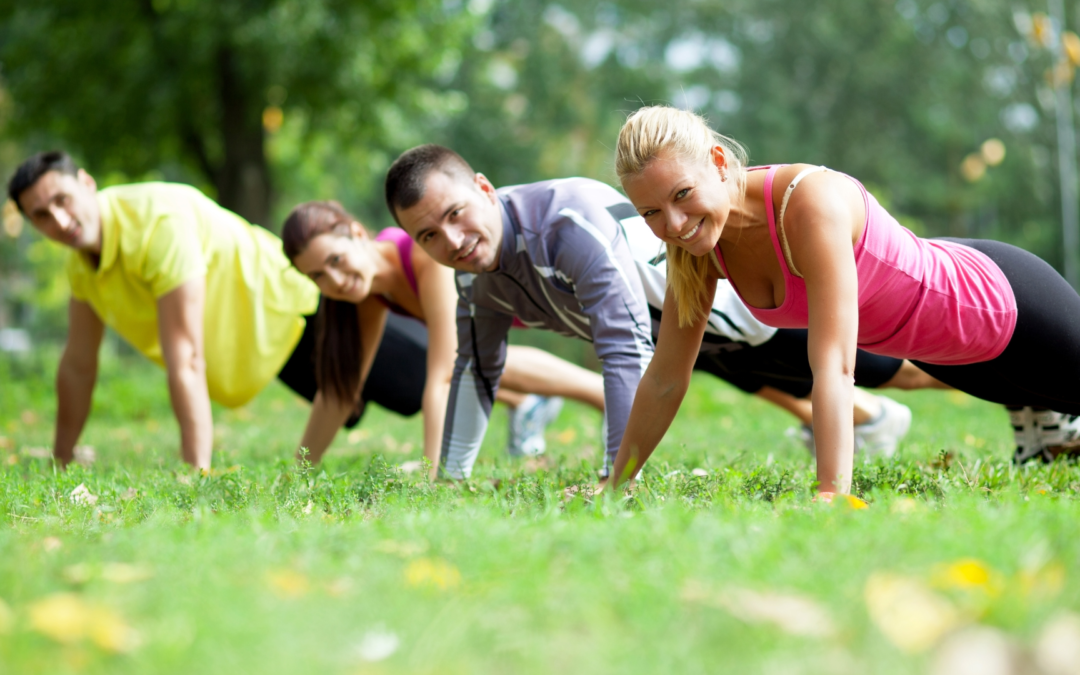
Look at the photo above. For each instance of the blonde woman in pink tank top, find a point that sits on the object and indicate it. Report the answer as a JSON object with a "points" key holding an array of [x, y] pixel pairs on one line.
{"points": [[982, 316]]}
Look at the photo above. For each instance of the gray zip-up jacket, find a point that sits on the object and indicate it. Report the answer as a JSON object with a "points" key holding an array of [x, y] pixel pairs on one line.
{"points": [[564, 265]]}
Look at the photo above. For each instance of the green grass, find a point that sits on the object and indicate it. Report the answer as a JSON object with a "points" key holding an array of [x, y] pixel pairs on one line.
{"points": [[356, 567]]}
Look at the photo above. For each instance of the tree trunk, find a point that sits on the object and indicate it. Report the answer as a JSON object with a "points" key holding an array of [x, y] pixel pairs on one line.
{"points": [[243, 179]]}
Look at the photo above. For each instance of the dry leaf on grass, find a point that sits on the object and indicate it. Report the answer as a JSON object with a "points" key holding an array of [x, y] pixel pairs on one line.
{"points": [[908, 613], [85, 455], [82, 496], [432, 573], [78, 574], [50, 544], [979, 650], [905, 505], [339, 587], [377, 644], [405, 549], [534, 464], [66, 618], [793, 614], [1057, 649], [1042, 582], [567, 436], [288, 583], [588, 492], [125, 573]]}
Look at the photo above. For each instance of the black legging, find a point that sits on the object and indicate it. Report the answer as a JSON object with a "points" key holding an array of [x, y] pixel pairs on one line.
{"points": [[397, 377], [783, 362], [1041, 365]]}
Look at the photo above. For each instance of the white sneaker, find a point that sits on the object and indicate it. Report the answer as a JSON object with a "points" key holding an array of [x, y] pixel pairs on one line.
{"points": [[527, 424], [881, 435], [1056, 428], [804, 433], [1028, 436]]}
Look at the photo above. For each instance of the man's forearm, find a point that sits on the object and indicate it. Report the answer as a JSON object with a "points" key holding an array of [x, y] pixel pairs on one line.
{"points": [[465, 424], [74, 392], [191, 404]]}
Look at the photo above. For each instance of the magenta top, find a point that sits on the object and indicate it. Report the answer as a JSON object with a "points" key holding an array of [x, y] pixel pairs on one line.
{"points": [[404, 242], [923, 299]]}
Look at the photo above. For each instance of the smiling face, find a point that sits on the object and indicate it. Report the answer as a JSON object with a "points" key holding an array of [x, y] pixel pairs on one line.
{"points": [[684, 203], [341, 263], [64, 208], [457, 222]]}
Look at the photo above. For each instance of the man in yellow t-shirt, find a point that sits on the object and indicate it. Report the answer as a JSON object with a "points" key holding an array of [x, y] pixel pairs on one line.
{"points": [[191, 285]]}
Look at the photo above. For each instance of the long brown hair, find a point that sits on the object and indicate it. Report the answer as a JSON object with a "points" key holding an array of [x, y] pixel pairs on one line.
{"points": [[337, 342]]}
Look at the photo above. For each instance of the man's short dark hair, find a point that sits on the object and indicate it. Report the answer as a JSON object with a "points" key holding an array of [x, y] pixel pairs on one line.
{"points": [[30, 171], [407, 175]]}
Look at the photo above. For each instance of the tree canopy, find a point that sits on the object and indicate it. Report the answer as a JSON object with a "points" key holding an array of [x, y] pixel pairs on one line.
{"points": [[941, 107]]}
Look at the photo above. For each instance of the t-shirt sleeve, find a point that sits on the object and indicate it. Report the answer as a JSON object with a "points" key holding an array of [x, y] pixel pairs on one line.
{"points": [[609, 291], [173, 254]]}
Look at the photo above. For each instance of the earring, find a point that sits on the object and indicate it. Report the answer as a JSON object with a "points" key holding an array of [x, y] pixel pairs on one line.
{"points": [[723, 176]]}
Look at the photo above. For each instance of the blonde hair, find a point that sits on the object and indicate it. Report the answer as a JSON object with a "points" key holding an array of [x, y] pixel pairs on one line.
{"points": [[661, 130]]}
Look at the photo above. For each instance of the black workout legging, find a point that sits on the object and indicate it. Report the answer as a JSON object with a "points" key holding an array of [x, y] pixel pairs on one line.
{"points": [[783, 362], [1041, 365], [398, 374]]}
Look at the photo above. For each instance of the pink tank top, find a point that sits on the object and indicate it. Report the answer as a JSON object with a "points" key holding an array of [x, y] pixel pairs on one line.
{"points": [[403, 241], [933, 301]]}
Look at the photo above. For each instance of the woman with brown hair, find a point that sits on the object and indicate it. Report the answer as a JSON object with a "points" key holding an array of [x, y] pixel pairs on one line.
{"points": [[362, 278]]}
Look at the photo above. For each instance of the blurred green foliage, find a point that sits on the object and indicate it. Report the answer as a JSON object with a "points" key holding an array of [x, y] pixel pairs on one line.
{"points": [[899, 93]]}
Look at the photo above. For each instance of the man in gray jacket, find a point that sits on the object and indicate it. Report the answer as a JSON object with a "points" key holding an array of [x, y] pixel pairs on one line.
{"points": [[551, 255], [571, 255]]}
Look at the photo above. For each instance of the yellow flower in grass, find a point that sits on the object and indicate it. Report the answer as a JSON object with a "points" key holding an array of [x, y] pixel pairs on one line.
{"points": [[66, 618], [968, 574], [841, 499], [432, 573]]}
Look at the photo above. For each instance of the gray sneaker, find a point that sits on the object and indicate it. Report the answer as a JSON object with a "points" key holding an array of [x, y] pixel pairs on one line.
{"points": [[881, 435], [527, 424]]}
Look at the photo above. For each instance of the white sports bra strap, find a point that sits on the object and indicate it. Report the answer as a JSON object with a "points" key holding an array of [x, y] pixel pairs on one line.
{"points": [[780, 218]]}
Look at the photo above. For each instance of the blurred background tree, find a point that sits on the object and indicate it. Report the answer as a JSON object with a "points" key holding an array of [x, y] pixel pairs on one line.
{"points": [[941, 107]]}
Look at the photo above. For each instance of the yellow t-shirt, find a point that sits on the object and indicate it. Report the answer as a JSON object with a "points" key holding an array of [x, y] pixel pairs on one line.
{"points": [[155, 237]]}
